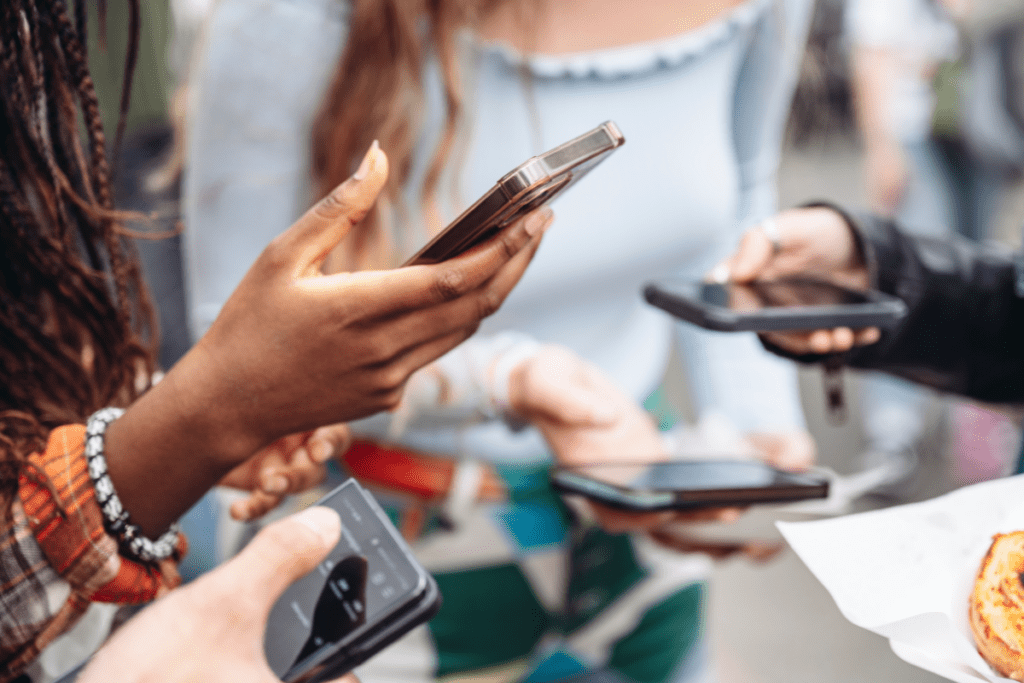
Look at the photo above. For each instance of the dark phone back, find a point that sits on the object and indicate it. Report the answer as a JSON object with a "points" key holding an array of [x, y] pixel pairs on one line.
{"points": [[686, 484], [762, 306], [365, 595], [538, 181]]}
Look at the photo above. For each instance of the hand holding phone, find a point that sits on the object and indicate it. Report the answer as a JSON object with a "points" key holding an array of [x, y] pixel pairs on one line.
{"points": [[814, 243], [212, 629]]}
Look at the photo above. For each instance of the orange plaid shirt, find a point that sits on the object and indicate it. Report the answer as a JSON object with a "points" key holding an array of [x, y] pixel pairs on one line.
{"points": [[56, 558]]}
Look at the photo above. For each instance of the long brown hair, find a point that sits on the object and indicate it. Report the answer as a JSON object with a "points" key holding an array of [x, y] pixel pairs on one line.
{"points": [[76, 325], [377, 93]]}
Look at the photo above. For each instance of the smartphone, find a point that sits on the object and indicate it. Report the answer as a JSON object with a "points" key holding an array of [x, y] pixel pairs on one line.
{"points": [[766, 305], [537, 181], [369, 592], [686, 484]]}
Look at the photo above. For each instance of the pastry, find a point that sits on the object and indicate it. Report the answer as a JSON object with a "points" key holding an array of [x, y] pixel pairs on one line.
{"points": [[997, 606]]}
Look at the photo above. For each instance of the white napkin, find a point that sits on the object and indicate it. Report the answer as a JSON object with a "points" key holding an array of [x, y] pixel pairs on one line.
{"points": [[906, 572]]}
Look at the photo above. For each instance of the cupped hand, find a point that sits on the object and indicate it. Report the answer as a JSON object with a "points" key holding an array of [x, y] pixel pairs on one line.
{"points": [[586, 419], [294, 349], [815, 243], [292, 464], [212, 629]]}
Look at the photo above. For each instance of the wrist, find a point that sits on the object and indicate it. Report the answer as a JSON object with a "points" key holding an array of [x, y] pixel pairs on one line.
{"points": [[174, 444]]}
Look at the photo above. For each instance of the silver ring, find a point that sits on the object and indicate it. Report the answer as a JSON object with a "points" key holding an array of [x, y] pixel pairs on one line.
{"points": [[771, 231]]}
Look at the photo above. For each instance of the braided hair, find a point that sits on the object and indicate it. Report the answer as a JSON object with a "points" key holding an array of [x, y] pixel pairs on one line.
{"points": [[76, 325]]}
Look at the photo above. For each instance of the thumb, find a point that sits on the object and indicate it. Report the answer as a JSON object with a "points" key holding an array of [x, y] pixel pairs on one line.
{"points": [[752, 256], [282, 553], [322, 227]]}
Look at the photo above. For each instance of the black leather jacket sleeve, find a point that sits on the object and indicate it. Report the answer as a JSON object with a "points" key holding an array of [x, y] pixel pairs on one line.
{"points": [[964, 332]]}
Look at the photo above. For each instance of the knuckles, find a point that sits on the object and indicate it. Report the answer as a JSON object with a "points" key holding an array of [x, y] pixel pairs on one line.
{"points": [[488, 304], [450, 284]]}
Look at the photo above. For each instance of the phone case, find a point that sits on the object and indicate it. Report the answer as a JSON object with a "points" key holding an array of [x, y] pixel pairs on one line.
{"points": [[536, 182], [673, 296], [333, 659]]}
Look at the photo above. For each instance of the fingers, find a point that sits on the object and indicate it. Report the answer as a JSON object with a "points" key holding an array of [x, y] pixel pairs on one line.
{"points": [[487, 273], [282, 553], [571, 404], [320, 229], [254, 506], [329, 442], [821, 342], [794, 450], [754, 254]]}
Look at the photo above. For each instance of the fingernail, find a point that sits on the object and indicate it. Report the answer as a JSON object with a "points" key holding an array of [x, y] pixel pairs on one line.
{"points": [[275, 484], [535, 223], [324, 522], [720, 274], [320, 451], [367, 164]]}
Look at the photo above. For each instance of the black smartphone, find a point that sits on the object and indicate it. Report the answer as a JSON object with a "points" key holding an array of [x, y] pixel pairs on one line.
{"points": [[686, 484], [369, 592], [535, 182], [766, 305]]}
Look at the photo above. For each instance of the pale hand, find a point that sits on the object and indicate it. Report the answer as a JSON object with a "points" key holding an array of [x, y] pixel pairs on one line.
{"points": [[212, 629], [585, 418], [814, 243]]}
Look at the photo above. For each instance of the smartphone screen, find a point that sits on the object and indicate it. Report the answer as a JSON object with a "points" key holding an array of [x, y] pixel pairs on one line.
{"points": [[365, 579], [686, 484]]}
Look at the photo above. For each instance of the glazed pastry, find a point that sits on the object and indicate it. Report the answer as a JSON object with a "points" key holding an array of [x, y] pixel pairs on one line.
{"points": [[997, 606]]}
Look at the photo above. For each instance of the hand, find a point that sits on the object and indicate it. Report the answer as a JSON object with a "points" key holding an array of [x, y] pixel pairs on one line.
{"points": [[294, 349], [212, 629], [586, 419], [291, 464], [788, 450], [812, 243]]}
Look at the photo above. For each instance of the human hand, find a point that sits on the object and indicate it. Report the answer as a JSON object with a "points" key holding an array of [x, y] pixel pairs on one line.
{"points": [[812, 242], [294, 349], [586, 419], [292, 464], [793, 450], [212, 629]]}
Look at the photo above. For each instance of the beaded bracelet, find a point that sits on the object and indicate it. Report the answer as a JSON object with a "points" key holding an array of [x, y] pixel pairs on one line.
{"points": [[115, 518]]}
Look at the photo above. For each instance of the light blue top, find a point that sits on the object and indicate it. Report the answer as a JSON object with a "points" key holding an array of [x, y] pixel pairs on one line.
{"points": [[703, 114]]}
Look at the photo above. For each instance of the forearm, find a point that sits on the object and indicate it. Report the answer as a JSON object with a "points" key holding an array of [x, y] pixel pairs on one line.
{"points": [[965, 329]]}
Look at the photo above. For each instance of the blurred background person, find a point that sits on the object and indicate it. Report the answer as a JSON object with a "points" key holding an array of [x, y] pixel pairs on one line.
{"points": [[919, 91], [896, 49]]}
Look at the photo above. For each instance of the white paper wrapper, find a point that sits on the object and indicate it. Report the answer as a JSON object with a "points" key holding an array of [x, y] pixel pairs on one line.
{"points": [[906, 572]]}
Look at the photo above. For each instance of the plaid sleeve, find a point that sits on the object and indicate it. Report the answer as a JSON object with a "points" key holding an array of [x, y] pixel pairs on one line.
{"points": [[56, 557]]}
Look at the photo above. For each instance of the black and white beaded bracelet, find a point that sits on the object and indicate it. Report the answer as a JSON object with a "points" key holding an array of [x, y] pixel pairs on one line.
{"points": [[115, 518]]}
